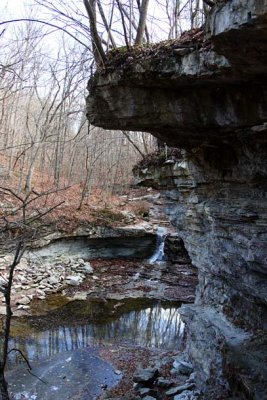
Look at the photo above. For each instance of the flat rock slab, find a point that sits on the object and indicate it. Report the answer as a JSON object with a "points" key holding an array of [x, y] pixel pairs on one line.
{"points": [[180, 389], [79, 375]]}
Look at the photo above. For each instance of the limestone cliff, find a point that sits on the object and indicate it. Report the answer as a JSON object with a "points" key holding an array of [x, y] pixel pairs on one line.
{"points": [[209, 97]]}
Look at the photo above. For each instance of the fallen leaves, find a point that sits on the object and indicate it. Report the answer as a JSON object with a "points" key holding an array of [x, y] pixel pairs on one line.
{"points": [[123, 57]]}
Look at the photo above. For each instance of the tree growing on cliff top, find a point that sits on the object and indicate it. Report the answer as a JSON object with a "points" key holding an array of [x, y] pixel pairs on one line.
{"points": [[132, 23], [107, 24], [132, 29]]}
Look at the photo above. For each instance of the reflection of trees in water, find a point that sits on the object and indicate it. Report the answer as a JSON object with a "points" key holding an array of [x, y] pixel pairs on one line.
{"points": [[152, 327]]}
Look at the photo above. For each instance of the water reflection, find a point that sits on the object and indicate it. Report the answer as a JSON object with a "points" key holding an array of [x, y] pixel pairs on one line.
{"points": [[155, 326]]}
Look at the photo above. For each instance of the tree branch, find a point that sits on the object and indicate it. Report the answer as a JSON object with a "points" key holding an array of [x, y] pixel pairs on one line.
{"points": [[45, 23]]}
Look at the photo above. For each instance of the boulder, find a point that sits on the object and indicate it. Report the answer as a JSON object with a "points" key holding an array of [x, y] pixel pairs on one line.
{"points": [[87, 268], [3, 282], [164, 383], [24, 300], [2, 310], [79, 296], [146, 376], [73, 280], [149, 398], [183, 367], [53, 280], [145, 392], [186, 395]]}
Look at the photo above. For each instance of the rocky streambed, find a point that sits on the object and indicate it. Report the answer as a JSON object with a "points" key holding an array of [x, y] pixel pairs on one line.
{"points": [[112, 268], [76, 315], [55, 262]]}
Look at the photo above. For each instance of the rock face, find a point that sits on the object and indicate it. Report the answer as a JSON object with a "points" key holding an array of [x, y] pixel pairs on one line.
{"points": [[212, 102], [209, 95], [85, 247], [175, 251]]}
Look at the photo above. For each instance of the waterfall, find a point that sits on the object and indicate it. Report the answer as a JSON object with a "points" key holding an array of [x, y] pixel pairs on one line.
{"points": [[159, 252]]}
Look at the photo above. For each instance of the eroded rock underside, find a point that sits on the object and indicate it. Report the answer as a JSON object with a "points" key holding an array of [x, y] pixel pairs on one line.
{"points": [[210, 99]]}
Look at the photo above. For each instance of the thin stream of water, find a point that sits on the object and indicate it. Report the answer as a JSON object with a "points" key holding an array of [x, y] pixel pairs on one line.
{"points": [[159, 252]]}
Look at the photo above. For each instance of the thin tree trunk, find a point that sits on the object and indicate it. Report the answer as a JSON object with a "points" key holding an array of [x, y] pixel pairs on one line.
{"points": [[4, 345], [123, 24], [132, 143], [176, 13], [106, 23], [142, 22], [98, 50], [3, 385], [146, 30]]}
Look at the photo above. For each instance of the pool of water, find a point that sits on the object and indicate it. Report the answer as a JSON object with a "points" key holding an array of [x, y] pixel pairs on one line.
{"points": [[79, 324]]}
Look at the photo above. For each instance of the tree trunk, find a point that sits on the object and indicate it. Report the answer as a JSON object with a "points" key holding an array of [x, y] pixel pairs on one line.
{"points": [[142, 22], [3, 387], [98, 50]]}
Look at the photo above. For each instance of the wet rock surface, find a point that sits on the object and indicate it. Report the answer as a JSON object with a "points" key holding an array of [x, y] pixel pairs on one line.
{"points": [[79, 375], [119, 280], [58, 265], [111, 279]]}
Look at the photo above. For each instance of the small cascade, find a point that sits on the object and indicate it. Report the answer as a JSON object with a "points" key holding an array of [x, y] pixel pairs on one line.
{"points": [[159, 252]]}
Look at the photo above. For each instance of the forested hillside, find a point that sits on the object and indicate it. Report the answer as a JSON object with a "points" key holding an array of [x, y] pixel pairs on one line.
{"points": [[48, 50]]}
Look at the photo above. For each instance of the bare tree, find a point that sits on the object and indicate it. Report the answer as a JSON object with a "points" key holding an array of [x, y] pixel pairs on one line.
{"points": [[6, 290], [17, 226]]}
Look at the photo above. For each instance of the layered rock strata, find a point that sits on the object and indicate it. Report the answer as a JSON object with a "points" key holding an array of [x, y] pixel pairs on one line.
{"points": [[223, 224], [211, 101]]}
